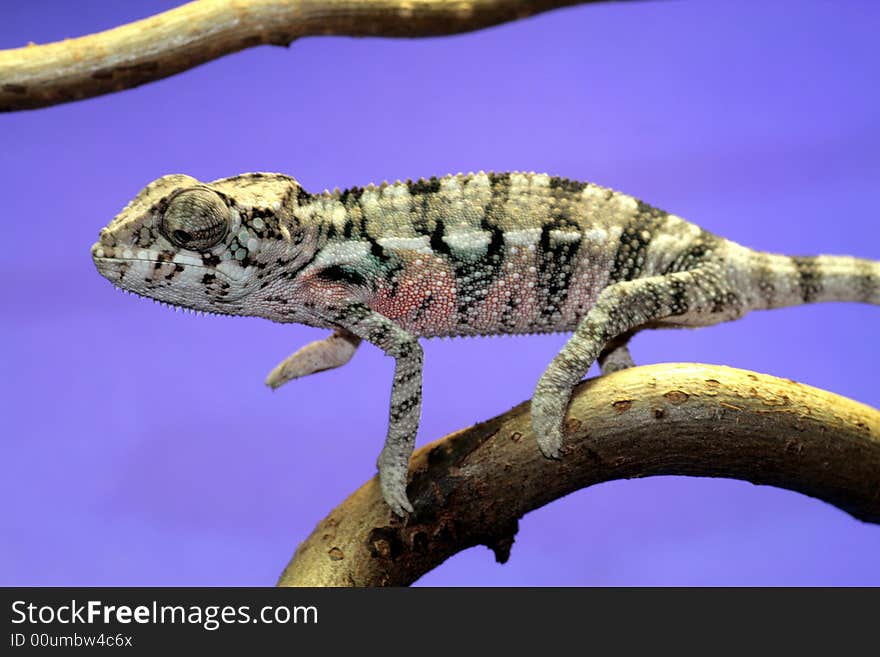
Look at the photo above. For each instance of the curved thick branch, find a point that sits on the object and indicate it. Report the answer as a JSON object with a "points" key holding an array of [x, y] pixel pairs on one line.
{"points": [[197, 32], [471, 487]]}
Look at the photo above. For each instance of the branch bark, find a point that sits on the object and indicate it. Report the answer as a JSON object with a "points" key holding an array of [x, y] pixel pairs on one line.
{"points": [[162, 45], [471, 487]]}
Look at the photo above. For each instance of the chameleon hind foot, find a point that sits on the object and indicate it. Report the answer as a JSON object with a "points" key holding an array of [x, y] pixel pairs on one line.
{"points": [[615, 358]]}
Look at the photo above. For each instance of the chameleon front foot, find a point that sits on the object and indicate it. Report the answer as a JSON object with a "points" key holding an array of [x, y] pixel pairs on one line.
{"points": [[392, 480]]}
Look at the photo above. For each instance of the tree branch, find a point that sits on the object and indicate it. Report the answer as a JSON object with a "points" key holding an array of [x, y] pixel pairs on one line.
{"points": [[197, 32], [472, 487]]}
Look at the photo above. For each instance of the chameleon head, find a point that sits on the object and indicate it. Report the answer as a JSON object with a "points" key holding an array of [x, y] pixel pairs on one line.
{"points": [[181, 242]]}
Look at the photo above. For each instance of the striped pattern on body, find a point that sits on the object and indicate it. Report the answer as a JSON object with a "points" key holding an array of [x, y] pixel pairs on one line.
{"points": [[475, 254]]}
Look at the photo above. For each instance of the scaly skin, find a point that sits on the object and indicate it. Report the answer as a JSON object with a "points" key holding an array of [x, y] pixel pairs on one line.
{"points": [[474, 254]]}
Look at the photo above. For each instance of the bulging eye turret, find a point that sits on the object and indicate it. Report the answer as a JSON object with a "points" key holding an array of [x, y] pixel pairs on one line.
{"points": [[196, 219]]}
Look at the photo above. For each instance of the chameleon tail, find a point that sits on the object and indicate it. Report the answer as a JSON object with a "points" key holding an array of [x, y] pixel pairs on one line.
{"points": [[781, 281]]}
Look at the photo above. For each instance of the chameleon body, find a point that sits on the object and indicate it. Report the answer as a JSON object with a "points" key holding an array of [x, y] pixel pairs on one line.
{"points": [[475, 254]]}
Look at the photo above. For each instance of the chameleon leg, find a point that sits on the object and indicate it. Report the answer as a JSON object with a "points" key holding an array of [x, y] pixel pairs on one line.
{"points": [[615, 355], [406, 395], [689, 296], [333, 351]]}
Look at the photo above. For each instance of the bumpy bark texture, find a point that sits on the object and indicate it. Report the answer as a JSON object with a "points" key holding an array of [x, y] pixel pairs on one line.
{"points": [[471, 487]]}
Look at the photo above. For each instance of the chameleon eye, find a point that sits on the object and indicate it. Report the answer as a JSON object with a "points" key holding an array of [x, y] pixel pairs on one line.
{"points": [[195, 219]]}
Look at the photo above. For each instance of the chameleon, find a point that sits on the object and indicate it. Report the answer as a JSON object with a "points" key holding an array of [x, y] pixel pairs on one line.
{"points": [[460, 255]]}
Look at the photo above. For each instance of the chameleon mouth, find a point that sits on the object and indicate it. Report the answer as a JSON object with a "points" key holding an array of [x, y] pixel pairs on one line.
{"points": [[104, 256], [115, 268], [98, 250]]}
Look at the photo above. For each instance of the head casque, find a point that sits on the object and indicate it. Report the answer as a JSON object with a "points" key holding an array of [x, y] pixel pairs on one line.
{"points": [[202, 246]]}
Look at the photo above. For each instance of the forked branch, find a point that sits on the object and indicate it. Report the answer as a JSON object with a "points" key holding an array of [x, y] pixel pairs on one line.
{"points": [[472, 487]]}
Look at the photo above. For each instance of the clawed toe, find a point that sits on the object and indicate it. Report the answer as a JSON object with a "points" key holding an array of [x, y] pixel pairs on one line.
{"points": [[397, 500], [401, 506], [392, 481], [550, 444]]}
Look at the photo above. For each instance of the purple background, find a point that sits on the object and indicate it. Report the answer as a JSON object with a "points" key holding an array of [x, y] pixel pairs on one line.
{"points": [[140, 446]]}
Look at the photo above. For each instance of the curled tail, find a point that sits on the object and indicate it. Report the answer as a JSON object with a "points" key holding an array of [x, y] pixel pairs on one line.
{"points": [[779, 281]]}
